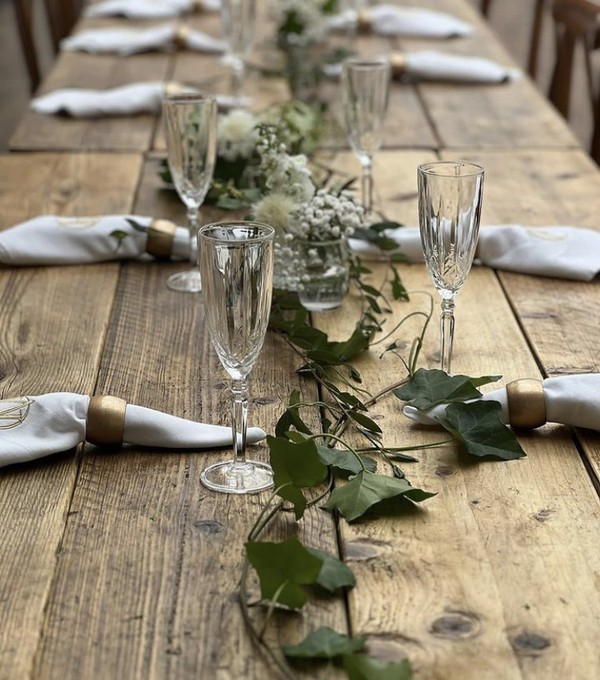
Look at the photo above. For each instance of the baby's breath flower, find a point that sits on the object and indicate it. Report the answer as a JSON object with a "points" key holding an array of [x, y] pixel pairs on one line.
{"points": [[237, 135], [275, 209]]}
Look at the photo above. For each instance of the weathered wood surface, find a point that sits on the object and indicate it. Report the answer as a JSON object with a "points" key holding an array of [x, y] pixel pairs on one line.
{"points": [[121, 565], [478, 582], [54, 322]]}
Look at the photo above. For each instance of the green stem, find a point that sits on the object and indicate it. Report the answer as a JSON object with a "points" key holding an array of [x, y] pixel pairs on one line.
{"points": [[272, 603]]}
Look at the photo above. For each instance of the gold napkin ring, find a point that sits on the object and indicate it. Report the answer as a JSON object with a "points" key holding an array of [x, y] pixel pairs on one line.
{"points": [[172, 89], [397, 63], [105, 421], [180, 39], [526, 405], [363, 20], [197, 6], [161, 235]]}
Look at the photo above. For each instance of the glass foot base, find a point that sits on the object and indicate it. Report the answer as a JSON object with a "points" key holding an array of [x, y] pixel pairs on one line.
{"points": [[186, 282], [229, 477]]}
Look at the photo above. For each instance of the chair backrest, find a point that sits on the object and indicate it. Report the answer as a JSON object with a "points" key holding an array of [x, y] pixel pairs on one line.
{"points": [[61, 17]]}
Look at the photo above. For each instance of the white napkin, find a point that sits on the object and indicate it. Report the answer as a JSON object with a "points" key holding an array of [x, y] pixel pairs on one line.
{"points": [[570, 400], [48, 240], [126, 41], [434, 66], [119, 101], [389, 20], [441, 66], [149, 9], [559, 252], [34, 427]]}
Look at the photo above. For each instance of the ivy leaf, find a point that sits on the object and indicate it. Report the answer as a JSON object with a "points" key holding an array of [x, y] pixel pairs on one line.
{"points": [[478, 426], [363, 667], [367, 489], [283, 569], [364, 421], [345, 460], [398, 290], [324, 643], [427, 388], [136, 225], [334, 573], [295, 465], [119, 235]]}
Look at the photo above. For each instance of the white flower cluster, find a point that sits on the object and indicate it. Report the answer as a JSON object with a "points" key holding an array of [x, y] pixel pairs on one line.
{"points": [[283, 173], [306, 15], [327, 216], [237, 135]]}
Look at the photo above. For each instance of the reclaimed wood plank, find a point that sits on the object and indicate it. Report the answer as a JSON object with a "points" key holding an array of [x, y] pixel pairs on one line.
{"points": [[479, 581], [146, 578], [53, 322], [511, 115], [40, 132]]}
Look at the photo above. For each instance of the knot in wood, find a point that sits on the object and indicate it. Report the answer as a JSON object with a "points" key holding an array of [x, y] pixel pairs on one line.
{"points": [[456, 626]]}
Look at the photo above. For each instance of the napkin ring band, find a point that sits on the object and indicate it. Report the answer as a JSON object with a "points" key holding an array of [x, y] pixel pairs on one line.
{"points": [[198, 6], [526, 405], [180, 39], [105, 424], [397, 63], [161, 235], [363, 20]]}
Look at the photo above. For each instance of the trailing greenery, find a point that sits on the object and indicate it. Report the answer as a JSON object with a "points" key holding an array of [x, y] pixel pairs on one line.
{"points": [[305, 463]]}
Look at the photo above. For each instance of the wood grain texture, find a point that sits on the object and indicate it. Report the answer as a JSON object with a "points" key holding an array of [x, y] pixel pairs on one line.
{"points": [[53, 323], [156, 594], [40, 132]]}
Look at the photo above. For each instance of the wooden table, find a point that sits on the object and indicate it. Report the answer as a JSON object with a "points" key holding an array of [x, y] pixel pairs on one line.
{"points": [[121, 565]]}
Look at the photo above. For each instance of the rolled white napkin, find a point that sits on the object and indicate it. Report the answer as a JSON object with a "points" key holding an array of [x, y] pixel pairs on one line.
{"points": [[441, 66], [50, 240], [435, 66], [389, 20], [559, 252], [150, 9], [38, 426], [569, 399], [126, 41], [119, 101]]}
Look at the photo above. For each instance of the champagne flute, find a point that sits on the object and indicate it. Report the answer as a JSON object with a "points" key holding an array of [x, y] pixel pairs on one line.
{"points": [[450, 197], [236, 264], [191, 129], [365, 94], [238, 20]]}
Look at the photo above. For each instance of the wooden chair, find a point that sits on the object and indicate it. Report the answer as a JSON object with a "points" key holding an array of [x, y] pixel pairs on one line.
{"points": [[61, 16], [536, 31], [577, 22]]}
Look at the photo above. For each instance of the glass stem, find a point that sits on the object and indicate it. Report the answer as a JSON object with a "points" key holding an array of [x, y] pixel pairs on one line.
{"points": [[193, 216], [367, 185], [239, 420], [237, 78], [447, 332]]}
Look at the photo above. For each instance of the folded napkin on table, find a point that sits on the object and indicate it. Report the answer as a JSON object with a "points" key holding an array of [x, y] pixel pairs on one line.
{"points": [[526, 404], [432, 65], [34, 427], [49, 239], [559, 252], [440, 66], [126, 41], [389, 20], [119, 101], [150, 9]]}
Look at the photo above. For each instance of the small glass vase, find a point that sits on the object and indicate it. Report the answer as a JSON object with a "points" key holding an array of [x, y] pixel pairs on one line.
{"points": [[323, 273], [303, 68]]}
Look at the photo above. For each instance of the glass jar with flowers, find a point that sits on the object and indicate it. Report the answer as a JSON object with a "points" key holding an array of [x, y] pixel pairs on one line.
{"points": [[312, 224]]}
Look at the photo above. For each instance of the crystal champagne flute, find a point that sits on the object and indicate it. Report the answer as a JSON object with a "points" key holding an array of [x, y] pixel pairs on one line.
{"points": [[236, 264], [450, 197], [191, 130], [238, 20], [365, 92]]}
